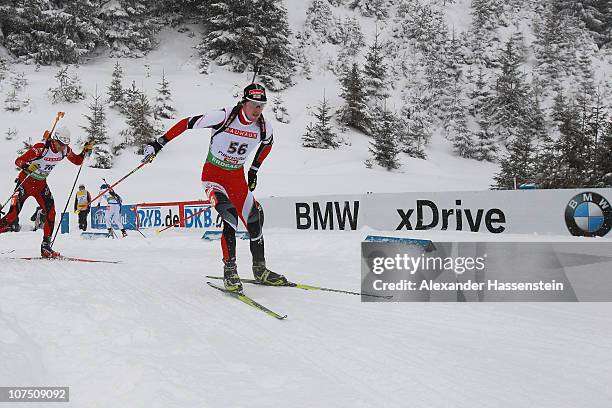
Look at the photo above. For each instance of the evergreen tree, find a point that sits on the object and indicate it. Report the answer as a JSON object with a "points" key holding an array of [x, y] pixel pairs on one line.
{"points": [[115, 89], [96, 133], [11, 133], [239, 35], [480, 95], [129, 28], [384, 147], [12, 102], [280, 111], [140, 121], [355, 111], [372, 8], [45, 32], [557, 35], [375, 71], [484, 148], [163, 101], [572, 147], [68, 89], [320, 134], [414, 132], [518, 163], [510, 105], [319, 20], [349, 35]]}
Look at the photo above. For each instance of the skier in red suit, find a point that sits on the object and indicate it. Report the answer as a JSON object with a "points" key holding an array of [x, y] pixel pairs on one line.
{"points": [[36, 164]]}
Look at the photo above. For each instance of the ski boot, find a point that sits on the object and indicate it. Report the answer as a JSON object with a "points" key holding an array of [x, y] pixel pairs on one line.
{"points": [[111, 233], [231, 280], [266, 276], [46, 251], [124, 233]]}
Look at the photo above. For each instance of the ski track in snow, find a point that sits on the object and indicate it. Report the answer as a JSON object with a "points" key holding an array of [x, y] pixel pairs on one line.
{"points": [[149, 332]]}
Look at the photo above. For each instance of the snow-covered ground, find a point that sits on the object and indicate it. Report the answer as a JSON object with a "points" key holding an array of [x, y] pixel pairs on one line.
{"points": [[149, 333]]}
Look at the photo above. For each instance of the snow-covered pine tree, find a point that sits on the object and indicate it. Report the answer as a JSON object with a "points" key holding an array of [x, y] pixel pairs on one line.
{"points": [[278, 60], [12, 102], [414, 132], [375, 71], [115, 89], [140, 121], [384, 147], [11, 133], [45, 32], [480, 95], [518, 163], [68, 89], [355, 112], [129, 28], [372, 8], [592, 13], [573, 148], [280, 111], [484, 148], [320, 134], [319, 21], [349, 35], [557, 36], [96, 133], [604, 168], [164, 108], [510, 105], [238, 35]]}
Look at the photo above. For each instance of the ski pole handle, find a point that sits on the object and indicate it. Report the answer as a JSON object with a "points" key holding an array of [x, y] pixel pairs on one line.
{"points": [[49, 133], [159, 231]]}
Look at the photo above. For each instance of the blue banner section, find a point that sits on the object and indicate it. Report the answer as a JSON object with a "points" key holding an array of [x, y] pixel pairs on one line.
{"points": [[65, 223], [159, 217], [128, 217]]}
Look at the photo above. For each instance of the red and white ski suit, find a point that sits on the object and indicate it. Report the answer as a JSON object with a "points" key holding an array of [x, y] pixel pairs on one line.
{"points": [[35, 185], [223, 172]]}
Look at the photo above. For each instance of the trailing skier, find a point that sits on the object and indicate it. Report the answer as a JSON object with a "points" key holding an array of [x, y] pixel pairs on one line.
{"points": [[36, 164]]}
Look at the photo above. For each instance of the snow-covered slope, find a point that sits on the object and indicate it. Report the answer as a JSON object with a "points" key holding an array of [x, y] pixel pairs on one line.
{"points": [[150, 333]]}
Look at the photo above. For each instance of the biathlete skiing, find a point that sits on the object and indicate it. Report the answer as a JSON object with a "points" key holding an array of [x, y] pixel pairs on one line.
{"points": [[36, 164], [236, 132]]}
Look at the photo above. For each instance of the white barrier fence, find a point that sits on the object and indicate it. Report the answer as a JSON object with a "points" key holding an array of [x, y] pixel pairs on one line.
{"points": [[581, 212]]}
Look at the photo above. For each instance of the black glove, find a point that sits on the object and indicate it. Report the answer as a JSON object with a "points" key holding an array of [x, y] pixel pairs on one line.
{"points": [[151, 150], [252, 177]]}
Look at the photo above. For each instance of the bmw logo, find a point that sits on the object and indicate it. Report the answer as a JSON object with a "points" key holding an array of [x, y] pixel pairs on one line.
{"points": [[588, 215]]}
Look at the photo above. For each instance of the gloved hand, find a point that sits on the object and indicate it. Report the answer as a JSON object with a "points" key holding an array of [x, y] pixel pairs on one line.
{"points": [[151, 150], [31, 168], [252, 180], [76, 212], [88, 147]]}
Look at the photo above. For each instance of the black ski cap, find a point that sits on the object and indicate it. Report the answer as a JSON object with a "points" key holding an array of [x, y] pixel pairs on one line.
{"points": [[255, 93]]}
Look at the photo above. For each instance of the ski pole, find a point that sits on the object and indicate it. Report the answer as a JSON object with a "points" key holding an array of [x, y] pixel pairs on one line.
{"points": [[16, 188], [117, 182], [67, 201], [159, 231]]}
